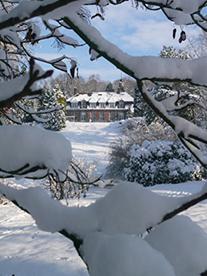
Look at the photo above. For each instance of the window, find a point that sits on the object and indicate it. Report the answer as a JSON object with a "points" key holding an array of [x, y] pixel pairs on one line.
{"points": [[112, 105], [74, 105], [112, 116], [121, 115], [83, 116], [102, 105], [101, 116], [121, 104], [93, 116], [93, 105], [83, 104]]}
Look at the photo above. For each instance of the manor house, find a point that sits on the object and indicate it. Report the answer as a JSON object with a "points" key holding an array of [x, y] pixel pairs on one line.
{"points": [[99, 107]]}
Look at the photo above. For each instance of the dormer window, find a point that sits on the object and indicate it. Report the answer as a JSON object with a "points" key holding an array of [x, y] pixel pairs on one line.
{"points": [[121, 104], [83, 104], [112, 105], [74, 105], [93, 105], [102, 105]]}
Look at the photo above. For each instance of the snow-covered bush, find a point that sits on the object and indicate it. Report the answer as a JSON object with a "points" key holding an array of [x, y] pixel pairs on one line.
{"points": [[135, 131], [156, 162]]}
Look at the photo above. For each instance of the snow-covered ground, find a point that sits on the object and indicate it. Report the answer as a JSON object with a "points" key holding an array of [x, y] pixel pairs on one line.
{"points": [[25, 250], [91, 141]]}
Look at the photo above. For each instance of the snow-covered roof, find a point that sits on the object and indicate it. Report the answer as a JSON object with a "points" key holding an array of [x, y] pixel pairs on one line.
{"points": [[78, 98], [102, 97]]}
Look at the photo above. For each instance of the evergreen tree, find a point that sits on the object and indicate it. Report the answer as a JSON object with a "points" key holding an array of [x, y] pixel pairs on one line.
{"points": [[142, 109], [188, 91], [109, 87], [54, 100], [192, 112]]}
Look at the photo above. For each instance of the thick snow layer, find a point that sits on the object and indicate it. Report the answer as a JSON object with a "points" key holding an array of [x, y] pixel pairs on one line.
{"points": [[123, 255], [18, 242], [127, 208], [26, 250], [33, 146], [183, 243], [50, 215], [130, 208], [102, 97]]}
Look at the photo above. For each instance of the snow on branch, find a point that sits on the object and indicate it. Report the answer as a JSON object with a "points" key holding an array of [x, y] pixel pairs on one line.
{"points": [[48, 213], [33, 152], [95, 233], [127, 202], [148, 67], [192, 136], [28, 9], [14, 89]]}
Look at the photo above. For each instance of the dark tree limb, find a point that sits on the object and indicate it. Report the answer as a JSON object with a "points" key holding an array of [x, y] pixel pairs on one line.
{"points": [[34, 76]]}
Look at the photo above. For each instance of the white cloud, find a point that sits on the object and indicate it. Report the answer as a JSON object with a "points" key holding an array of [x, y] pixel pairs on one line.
{"points": [[140, 31], [151, 35]]}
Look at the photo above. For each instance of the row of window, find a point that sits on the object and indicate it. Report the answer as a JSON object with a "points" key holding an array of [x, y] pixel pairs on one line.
{"points": [[94, 105], [100, 116]]}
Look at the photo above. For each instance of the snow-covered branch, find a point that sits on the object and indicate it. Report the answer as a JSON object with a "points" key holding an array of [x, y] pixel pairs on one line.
{"points": [[155, 68], [88, 226], [127, 202], [190, 135], [28, 9], [14, 89], [33, 152], [41, 208]]}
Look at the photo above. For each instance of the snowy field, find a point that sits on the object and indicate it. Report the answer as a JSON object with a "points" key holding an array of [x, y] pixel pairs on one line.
{"points": [[25, 250], [91, 141]]}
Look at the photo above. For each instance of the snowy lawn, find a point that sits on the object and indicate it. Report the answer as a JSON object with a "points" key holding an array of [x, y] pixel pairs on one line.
{"points": [[91, 141], [25, 250]]}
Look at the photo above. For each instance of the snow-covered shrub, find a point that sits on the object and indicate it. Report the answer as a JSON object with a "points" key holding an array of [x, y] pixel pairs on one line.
{"points": [[135, 131], [156, 162]]}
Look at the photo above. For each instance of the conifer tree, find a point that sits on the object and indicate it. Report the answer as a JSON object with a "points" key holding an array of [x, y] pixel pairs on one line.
{"points": [[56, 102]]}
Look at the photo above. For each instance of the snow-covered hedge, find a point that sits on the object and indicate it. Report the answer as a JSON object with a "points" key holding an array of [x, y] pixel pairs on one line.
{"points": [[156, 162]]}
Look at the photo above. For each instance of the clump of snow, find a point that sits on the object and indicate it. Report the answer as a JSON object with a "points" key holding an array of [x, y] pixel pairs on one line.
{"points": [[50, 215], [123, 255], [183, 243], [109, 229], [33, 146], [130, 208]]}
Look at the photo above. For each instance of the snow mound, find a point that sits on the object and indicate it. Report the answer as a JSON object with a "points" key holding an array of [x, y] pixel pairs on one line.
{"points": [[183, 243], [49, 214], [130, 208], [123, 255], [25, 148]]}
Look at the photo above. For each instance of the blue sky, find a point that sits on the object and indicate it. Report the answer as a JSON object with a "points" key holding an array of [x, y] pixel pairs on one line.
{"points": [[136, 31]]}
